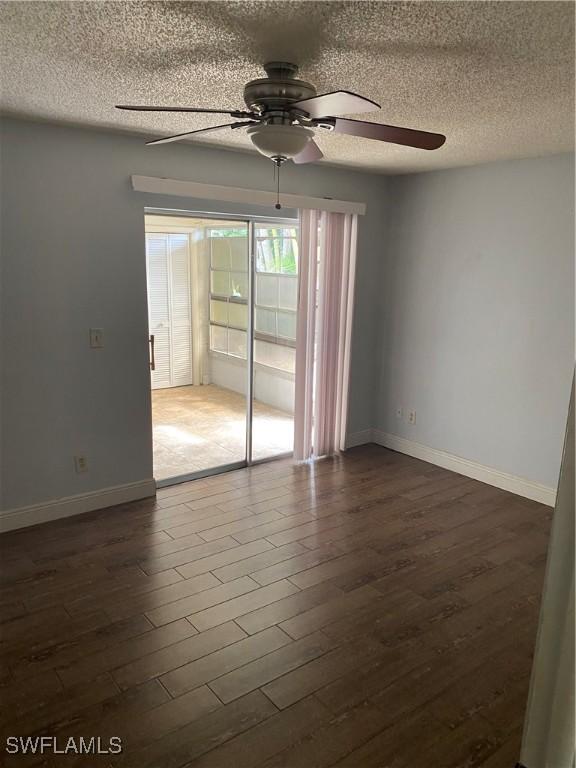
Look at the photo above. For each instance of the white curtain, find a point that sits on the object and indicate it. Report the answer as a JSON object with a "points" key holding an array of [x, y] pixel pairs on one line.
{"points": [[327, 262]]}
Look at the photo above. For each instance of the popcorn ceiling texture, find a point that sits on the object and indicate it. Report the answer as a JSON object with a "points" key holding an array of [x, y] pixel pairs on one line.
{"points": [[496, 77]]}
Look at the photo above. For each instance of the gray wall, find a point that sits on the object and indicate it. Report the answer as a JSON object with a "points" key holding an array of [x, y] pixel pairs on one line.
{"points": [[477, 313], [73, 258], [464, 307]]}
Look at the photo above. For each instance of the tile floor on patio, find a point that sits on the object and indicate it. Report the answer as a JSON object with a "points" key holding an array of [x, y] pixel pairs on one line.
{"points": [[197, 428]]}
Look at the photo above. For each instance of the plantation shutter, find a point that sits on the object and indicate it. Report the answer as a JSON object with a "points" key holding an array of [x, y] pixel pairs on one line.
{"points": [[180, 310], [168, 268], [159, 307]]}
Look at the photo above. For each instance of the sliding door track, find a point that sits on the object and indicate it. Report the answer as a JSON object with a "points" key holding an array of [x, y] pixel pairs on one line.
{"points": [[199, 474]]}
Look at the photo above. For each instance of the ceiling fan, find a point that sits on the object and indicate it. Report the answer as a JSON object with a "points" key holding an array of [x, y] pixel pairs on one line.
{"points": [[283, 113]]}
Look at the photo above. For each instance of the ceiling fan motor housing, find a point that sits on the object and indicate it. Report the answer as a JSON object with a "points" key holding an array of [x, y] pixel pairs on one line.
{"points": [[275, 93]]}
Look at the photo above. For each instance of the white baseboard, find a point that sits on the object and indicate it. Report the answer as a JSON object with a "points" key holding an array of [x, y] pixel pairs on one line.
{"points": [[519, 485], [22, 517], [359, 438]]}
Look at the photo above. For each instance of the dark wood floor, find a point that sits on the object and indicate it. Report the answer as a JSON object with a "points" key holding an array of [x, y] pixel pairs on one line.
{"points": [[372, 610]]}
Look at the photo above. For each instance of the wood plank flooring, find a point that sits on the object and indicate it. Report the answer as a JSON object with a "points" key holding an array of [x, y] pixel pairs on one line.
{"points": [[371, 610]]}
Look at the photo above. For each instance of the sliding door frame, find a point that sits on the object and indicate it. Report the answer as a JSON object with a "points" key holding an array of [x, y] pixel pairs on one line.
{"points": [[250, 222]]}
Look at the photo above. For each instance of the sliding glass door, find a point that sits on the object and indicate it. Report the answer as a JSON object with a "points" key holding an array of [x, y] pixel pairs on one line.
{"points": [[275, 280], [227, 363], [222, 323]]}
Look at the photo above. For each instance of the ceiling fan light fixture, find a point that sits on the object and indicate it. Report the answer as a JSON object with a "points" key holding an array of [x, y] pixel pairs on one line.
{"points": [[280, 141]]}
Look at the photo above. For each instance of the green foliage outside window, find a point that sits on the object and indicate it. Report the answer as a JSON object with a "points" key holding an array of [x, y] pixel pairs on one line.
{"points": [[277, 250], [276, 247], [242, 232]]}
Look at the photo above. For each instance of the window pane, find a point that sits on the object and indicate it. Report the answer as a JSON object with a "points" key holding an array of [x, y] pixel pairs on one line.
{"points": [[220, 283], [239, 282], [267, 290], [236, 343], [275, 356], [218, 339], [239, 254], [288, 292], [219, 312], [266, 231], [238, 315], [265, 321], [277, 250], [260, 265], [220, 253], [266, 257], [289, 260], [239, 231], [287, 325]]}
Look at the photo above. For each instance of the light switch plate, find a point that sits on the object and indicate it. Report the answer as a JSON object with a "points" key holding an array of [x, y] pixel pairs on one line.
{"points": [[96, 338]]}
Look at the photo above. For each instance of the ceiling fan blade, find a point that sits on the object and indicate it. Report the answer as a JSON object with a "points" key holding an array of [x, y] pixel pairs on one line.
{"points": [[336, 103], [179, 136], [309, 154], [391, 133], [231, 112]]}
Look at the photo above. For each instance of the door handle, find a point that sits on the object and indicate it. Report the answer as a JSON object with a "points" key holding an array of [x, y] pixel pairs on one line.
{"points": [[152, 357]]}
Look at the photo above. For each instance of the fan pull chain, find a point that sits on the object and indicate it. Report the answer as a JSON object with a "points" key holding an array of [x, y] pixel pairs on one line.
{"points": [[277, 164]]}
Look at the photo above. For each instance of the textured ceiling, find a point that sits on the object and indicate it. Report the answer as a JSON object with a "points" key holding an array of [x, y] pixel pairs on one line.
{"points": [[496, 77]]}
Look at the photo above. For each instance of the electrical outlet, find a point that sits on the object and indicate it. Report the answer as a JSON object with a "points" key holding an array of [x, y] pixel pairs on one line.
{"points": [[412, 417], [398, 413], [81, 464], [96, 338]]}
